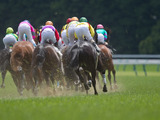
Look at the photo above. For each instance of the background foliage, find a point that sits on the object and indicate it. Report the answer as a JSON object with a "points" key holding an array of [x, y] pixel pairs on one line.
{"points": [[135, 24]]}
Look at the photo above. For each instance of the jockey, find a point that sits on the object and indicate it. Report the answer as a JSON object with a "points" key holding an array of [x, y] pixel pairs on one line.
{"points": [[70, 33], [102, 34], [10, 38], [49, 34], [63, 32], [85, 31], [26, 28]]}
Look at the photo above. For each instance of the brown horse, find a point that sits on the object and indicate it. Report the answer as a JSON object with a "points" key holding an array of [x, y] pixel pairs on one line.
{"points": [[70, 75], [20, 60], [105, 62], [46, 64], [5, 66], [83, 55]]}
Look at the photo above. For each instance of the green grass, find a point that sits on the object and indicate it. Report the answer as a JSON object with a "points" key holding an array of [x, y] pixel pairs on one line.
{"points": [[138, 97]]}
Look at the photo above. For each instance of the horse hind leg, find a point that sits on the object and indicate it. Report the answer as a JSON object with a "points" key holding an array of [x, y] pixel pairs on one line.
{"points": [[104, 81], [21, 82], [109, 78], [82, 80], [115, 82], [94, 82], [3, 78]]}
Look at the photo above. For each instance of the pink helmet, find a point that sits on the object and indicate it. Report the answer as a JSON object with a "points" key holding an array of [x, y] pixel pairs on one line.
{"points": [[68, 20], [100, 26]]}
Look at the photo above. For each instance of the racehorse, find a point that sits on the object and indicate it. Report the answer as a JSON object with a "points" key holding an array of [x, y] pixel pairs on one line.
{"points": [[105, 62], [46, 64], [70, 75], [5, 66], [83, 55], [20, 61]]}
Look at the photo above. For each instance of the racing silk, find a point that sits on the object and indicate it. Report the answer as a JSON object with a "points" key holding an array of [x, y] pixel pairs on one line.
{"points": [[13, 35], [91, 29], [64, 27], [32, 29], [102, 31], [53, 28], [73, 23]]}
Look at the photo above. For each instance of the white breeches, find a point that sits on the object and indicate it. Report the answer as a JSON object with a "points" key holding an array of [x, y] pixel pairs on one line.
{"points": [[71, 31], [48, 35], [81, 31], [60, 44], [100, 38], [64, 37], [25, 29], [9, 40]]}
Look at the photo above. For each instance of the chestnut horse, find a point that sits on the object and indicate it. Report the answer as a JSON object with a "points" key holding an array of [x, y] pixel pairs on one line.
{"points": [[46, 64], [105, 62], [20, 61]]}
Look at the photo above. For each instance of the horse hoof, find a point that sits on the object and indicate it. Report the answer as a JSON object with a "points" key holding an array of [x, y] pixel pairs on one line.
{"points": [[105, 89], [96, 93], [86, 87], [2, 86], [89, 84], [116, 87], [21, 93]]}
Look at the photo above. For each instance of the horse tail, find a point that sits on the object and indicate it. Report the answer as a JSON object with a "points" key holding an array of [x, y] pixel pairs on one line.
{"points": [[108, 34], [38, 56], [74, 63]]}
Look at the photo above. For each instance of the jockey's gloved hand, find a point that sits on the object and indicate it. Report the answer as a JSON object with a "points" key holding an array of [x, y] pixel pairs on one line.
{"points": [[106, 43], [56, 44]]}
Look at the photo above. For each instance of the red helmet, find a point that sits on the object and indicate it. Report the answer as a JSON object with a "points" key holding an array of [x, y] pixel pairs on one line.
{"points": [[100, 26], [68, 20]]}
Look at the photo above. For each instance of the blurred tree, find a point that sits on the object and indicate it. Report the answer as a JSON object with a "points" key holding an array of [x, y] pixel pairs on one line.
{"points": [[151, 45], [130, 21]]}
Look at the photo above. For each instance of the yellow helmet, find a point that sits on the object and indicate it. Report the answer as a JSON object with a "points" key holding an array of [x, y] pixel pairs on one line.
{"points": [[74, 19], [49, 23], [9, 30]]}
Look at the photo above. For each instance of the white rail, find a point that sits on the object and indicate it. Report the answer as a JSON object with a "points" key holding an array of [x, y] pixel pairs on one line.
{"points": [[136, 59]]}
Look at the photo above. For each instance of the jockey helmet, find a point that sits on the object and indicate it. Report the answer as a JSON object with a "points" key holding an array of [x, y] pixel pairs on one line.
{"points": [[9, 30], [100, 26], [74, 19], [68, 20], [83, 19], [49, 23], [26, 21]]}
